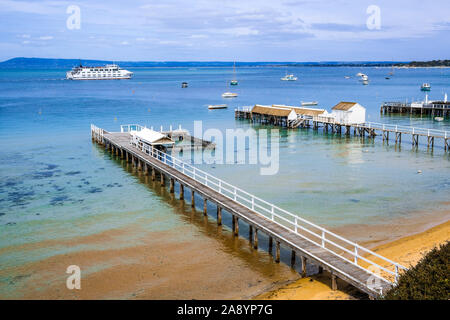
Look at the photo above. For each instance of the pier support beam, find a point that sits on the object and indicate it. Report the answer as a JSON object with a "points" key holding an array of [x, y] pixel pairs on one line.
{"points": [[192, 199], [235, 225], [181, 192], [255, 239], [162, 180], [219, 216], [333, 282], [303, 266], [145, 169], [292, 258], [270, 244], [250, 233], [277, 252], [153, 174], [205, 207], [320, 269], [171, 188]]}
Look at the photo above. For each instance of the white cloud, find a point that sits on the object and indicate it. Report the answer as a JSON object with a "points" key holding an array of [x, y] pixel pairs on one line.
{"points": [[45, 38], [124, 43]]}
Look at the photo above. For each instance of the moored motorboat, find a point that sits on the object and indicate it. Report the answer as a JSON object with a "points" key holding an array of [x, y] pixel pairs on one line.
{"points": [[425, 87], [217, 106], [229, 95], [309, 103]]}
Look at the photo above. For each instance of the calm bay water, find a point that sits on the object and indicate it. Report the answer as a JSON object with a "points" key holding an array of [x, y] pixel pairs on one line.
{"points": [[56, 186]]}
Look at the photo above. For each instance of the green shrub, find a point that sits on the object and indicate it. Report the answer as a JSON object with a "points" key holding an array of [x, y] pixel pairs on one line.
{"points": [[428, 280]]}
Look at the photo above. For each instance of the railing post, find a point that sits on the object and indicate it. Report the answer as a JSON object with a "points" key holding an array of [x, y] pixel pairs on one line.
{"points": [[273, 211], [396, 273], [235, 194], [206, 180], [356, 254], [295, 224], [323, 239], [253, 203], [220, 186]]}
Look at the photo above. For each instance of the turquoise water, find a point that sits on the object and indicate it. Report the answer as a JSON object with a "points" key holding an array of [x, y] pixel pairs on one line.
{"points": [[55, 184]]}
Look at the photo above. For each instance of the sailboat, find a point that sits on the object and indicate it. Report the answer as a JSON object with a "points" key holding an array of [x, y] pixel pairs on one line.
{"points": [[234, 82], [229, 94]]}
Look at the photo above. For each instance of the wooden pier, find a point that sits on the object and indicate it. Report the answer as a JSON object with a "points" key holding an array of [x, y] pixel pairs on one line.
{"points": [[388, 132], [433, 109], [313, 244]]}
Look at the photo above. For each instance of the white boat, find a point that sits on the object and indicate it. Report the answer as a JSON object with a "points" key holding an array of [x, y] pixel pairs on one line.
{"points": [[108, 72], [310, 103], [347, 77], [365, 82], [229, 95], [217, 106], [289, 77], [359, 74], [439, 119]]}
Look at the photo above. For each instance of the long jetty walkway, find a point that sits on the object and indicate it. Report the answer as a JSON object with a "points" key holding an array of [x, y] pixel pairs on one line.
{"points": [[369, 129], [344, 259]]}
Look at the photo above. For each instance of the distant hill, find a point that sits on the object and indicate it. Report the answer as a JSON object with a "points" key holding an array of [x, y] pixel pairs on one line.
{"points": [[34, 63]]}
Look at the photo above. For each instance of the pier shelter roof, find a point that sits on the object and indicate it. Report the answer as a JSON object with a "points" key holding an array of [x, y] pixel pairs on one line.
{"points": [[152, 137], [344, 106]]}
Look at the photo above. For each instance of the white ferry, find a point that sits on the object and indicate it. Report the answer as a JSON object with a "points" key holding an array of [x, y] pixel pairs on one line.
{"points": [[108, 72]]}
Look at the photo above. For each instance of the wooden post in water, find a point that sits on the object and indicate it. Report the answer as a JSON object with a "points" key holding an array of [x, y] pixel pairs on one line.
{"points": [[219, 216], [181, 192], [162, 180], [333, 281], [192, 199], [303, 266], [270, 244], [205, 207], [250, 233], [255, 239], [320, 269], [292, 258], [139, 164], [172, 183], [153, 174], [277, 253], [145, 169]]}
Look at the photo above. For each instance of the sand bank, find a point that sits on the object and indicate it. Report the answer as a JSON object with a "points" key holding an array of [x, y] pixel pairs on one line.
{"points": [[407, 251]]}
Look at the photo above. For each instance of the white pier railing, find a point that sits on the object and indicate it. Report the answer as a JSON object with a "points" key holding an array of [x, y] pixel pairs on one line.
{"points": [[328, 240]]}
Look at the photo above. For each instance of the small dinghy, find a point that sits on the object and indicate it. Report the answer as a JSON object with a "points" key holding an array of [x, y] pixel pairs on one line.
{"points": [[217, 106]]}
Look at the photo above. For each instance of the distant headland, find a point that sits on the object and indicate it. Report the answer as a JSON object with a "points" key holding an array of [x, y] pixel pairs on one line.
{"points": [[34, 63], [49, 63]]}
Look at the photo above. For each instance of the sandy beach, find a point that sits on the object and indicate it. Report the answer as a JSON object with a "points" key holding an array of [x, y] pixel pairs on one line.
{"points": [[407, 251]]}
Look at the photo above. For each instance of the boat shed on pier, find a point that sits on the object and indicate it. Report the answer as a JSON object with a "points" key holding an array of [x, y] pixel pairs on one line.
{"points": [[349, 113], [273, 115]]}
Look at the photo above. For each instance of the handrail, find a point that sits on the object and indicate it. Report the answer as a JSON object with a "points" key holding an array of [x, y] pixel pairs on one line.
{"points": [[277, 215]]}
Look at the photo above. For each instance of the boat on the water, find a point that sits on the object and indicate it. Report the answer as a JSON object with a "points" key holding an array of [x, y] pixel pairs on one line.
{"points": [[108, 72], [234, 82], [347, 77], [309, 103], [289, 77], [229, 95], [365, 82], [439, 119], [425, 87], [184, 84], [217, 106]]}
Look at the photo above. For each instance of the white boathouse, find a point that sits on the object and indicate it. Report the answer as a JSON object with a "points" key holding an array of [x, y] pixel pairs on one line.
{"points": [[349, 113]]}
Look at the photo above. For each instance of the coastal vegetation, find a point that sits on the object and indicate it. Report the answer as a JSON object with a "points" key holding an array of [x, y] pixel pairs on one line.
{"points": [[427, 280], [421, 64]]}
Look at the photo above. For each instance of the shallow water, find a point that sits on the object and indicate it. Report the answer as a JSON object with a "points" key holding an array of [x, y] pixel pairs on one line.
{"points": [[57, 187]]}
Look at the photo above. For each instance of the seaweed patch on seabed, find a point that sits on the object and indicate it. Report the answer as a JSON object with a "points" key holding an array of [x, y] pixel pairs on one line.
{"points": [[19, 197], [94, 190], [59, 201], [72, 173], [44, 174]]}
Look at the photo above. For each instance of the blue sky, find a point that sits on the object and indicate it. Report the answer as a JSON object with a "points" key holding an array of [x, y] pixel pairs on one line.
{"points": [[245, 30]]}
